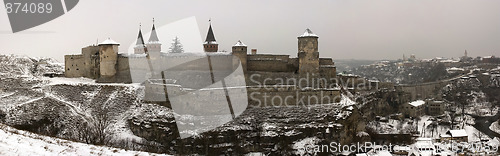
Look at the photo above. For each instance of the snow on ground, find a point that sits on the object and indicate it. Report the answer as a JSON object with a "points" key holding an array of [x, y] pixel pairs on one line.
{"points": [[120, 130], [495, 127], [474, 134], [16, 142], [83, 81], [68, 81], [301, 145], [424, 127], [479, 105], [346, 101]]}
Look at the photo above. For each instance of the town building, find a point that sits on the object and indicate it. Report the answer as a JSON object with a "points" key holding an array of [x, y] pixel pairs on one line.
{"points": [[435, 107], [454, 135], [414, 108]]}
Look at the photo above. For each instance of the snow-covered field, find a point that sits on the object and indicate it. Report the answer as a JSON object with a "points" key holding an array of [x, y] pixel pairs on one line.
{"points": [[17, 142]]}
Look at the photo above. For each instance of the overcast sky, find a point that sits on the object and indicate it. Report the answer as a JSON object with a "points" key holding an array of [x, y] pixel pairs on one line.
{"points": [[348, 29]]}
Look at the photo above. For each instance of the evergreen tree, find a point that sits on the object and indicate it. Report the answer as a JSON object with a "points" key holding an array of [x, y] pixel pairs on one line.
{"points": [[176, 46]]}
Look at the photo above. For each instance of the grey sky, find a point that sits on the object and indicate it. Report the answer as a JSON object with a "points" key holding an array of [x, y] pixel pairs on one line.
{"points": [[348, 29]]}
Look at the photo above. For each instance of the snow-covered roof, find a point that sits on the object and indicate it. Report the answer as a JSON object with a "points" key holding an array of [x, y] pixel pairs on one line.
{"points": [[210, 42], [445, 136], [458, 133], [417, 103], [109, 41], [308, 33], [239, 44]]}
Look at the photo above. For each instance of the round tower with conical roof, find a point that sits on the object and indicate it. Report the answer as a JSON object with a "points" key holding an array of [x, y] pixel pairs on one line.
{"points": [[108, 55], [308, 54], [240, 51]]}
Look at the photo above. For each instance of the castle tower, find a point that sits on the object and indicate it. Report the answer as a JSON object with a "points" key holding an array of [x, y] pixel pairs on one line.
{"points": [[108, 54], [210, 44], [139, 45], [154, 44], [240, 50], [308, 54]]}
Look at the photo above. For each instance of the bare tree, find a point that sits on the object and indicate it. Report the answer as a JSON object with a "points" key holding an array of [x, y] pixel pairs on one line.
{"points": [[478, 134], [100, 124], [94, 130]]}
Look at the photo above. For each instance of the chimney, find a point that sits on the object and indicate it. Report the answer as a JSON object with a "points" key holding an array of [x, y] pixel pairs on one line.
{"points": [[254, 51]]}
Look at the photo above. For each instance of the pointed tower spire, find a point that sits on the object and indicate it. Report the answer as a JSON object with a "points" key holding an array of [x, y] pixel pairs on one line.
{"points": [[154, 36], [139, 45], [210, 44], [210, 35], [140, 39]]}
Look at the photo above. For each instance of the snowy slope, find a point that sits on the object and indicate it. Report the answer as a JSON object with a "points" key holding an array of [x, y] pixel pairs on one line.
{"points": [[23, 66], [16, 142]]}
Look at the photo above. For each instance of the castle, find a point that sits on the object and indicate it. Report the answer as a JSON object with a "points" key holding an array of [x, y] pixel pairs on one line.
{"points": [[103, 63]]}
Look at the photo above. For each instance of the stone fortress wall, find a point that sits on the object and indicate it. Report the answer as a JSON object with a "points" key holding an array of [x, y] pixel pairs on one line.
{"points": [[103, 63]]}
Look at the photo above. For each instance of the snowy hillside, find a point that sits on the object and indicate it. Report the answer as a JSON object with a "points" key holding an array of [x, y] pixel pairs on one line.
{"points": [[17, 142], [63, 107], [15, 66]]}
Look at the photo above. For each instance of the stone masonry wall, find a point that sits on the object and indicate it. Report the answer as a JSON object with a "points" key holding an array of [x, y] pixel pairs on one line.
{"points": [[74, 66]]}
